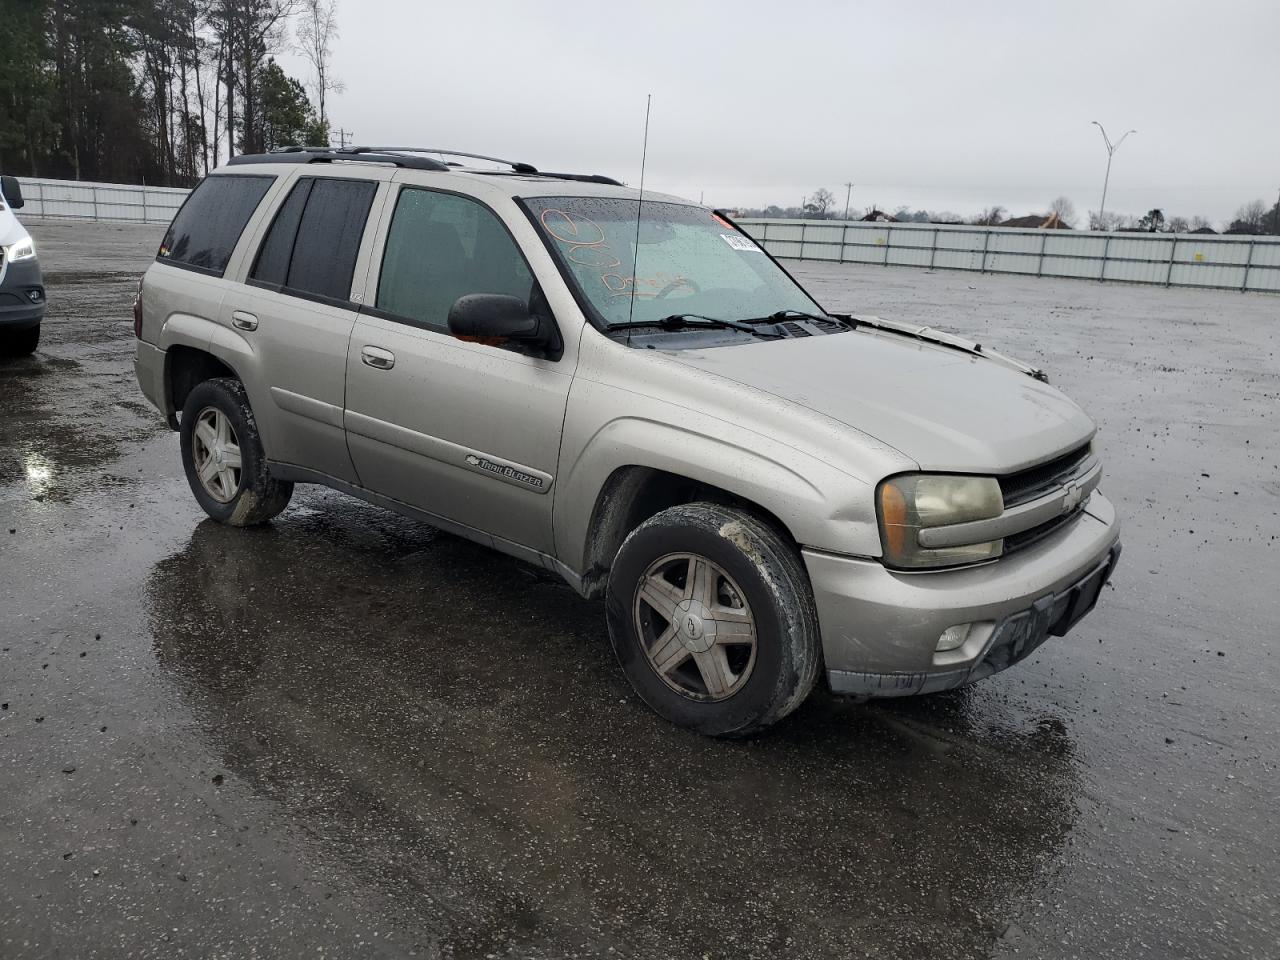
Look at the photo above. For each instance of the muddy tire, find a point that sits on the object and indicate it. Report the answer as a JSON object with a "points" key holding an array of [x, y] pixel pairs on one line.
{"points": [[20, 343], [223, 456], [712, 618]]}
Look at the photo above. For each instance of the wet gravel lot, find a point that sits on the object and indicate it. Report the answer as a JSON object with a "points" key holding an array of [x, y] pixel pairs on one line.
{"points": [[348, 735]]}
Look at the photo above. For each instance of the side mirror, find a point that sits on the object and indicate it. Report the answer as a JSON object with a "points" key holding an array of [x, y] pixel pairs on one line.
{"points": [[12, 191], [494, 315]]}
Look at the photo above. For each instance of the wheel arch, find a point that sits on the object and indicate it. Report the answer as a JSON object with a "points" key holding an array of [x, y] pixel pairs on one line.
{"points": [[632, 494], [196, 349], [185, 367]]}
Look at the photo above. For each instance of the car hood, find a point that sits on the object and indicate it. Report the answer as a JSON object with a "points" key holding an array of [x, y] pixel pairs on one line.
{"points": [[941, 407]]}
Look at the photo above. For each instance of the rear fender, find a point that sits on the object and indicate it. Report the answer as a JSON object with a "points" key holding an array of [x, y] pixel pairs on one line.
{"points": [[199, 333]]}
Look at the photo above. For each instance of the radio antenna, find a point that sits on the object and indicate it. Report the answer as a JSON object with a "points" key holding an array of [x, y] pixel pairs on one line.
{"points": [[635, 253]]}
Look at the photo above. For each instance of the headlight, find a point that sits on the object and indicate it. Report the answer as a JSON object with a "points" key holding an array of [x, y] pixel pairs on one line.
{"points": [[910, 503], [22, 250]]}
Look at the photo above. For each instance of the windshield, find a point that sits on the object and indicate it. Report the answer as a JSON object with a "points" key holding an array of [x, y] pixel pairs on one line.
{"points": [[689, 261]]}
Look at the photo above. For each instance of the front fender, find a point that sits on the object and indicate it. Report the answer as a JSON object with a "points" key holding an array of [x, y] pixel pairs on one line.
{"points": [[817, 502]]}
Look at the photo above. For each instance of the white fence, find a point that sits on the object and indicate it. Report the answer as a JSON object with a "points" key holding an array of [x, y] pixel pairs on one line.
{"points": [[82, 200], [1178, 260]]}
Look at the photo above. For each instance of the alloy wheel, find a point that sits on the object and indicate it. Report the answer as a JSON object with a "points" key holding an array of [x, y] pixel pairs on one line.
{"points": [[696, 627], [215, 451]]}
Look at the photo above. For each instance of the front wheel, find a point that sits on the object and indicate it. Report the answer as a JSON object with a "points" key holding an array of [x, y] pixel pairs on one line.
{"points": [[223, 456], [712, 619], [20, 343]]}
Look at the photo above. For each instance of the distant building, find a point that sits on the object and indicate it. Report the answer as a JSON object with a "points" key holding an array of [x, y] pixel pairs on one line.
{"points": [[1036, 221]]}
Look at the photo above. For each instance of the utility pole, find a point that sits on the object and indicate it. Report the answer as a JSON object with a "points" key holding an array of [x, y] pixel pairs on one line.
{"points": [[1276, 219], [848, 192], [1111, 149]]}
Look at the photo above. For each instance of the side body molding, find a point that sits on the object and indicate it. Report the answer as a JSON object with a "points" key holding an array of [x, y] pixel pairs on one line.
{"points": [[449, 453], [308, 407]]}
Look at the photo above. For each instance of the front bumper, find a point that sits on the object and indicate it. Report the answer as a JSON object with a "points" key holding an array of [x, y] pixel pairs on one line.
{"points": [[19, 283], [880, 627]]}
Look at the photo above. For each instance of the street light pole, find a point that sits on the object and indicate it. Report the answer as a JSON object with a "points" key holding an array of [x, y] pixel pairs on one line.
{"points": [[1111, 150], [848, 192]]}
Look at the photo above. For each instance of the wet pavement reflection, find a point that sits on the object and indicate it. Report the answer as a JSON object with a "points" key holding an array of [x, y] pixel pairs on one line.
{"points": [[448, 720]]}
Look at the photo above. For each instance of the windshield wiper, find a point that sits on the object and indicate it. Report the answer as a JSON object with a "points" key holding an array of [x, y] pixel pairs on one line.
{"points": [[679, 321], [783, 315]]}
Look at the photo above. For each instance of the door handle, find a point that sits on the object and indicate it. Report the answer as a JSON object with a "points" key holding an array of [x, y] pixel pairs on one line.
{"points": [[377, 358], [244, 321]]}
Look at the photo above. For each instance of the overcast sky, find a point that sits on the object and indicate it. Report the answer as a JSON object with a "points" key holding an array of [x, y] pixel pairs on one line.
{"points": [[947, 106]]}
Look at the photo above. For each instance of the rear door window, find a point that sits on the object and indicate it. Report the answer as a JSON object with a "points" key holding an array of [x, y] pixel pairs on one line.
{"points": [[313, 242], [207, 228]]}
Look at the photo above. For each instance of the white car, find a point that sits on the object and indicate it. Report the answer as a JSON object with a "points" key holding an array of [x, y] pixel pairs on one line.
{"points": [[21, 286]]}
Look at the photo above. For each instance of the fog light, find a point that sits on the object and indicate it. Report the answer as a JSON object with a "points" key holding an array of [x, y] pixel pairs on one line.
{"points": [[953, 637], [35, 296]]}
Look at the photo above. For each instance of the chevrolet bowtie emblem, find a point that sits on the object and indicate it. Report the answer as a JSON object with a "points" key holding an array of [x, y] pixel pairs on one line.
{"points": [[1073, 495]]}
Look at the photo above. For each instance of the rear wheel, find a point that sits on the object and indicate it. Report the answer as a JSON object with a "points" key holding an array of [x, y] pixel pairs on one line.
{"points": [[20, 343], [223, 456], [712, 619]]}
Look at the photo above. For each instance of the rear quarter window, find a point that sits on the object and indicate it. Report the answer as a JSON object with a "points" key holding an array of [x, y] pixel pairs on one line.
{"points": [[207, 228]]}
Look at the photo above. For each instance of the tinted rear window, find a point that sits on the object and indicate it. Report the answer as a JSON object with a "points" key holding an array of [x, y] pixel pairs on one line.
{"points": [[272, 267], [206, 229], [327, 238]]}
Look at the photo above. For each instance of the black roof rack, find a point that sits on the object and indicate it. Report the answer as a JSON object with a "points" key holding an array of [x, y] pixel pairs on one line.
{"points": [[587, 178], [579, 177], [404, 157], [515, 165], [331, 154]]}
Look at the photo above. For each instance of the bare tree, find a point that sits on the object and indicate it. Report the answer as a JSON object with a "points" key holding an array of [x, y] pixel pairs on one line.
{"points": [[1105, 221], [247, 31], [199, 49], [1251, 218], [1200, 223], [818, 204], [1065, 209], [1179, 225], [316, 32], [990, 216]]}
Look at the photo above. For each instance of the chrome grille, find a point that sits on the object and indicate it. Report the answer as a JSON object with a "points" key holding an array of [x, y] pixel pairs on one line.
{"points": [[1026, 538], [1027, 485], [1034, 482]]}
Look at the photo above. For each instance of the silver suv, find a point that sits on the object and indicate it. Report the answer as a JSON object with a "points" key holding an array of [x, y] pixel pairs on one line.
{"points": [[630, 392]]}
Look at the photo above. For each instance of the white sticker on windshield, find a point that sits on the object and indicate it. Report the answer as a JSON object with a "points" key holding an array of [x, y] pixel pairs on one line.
{"points": [[739, 242]]}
